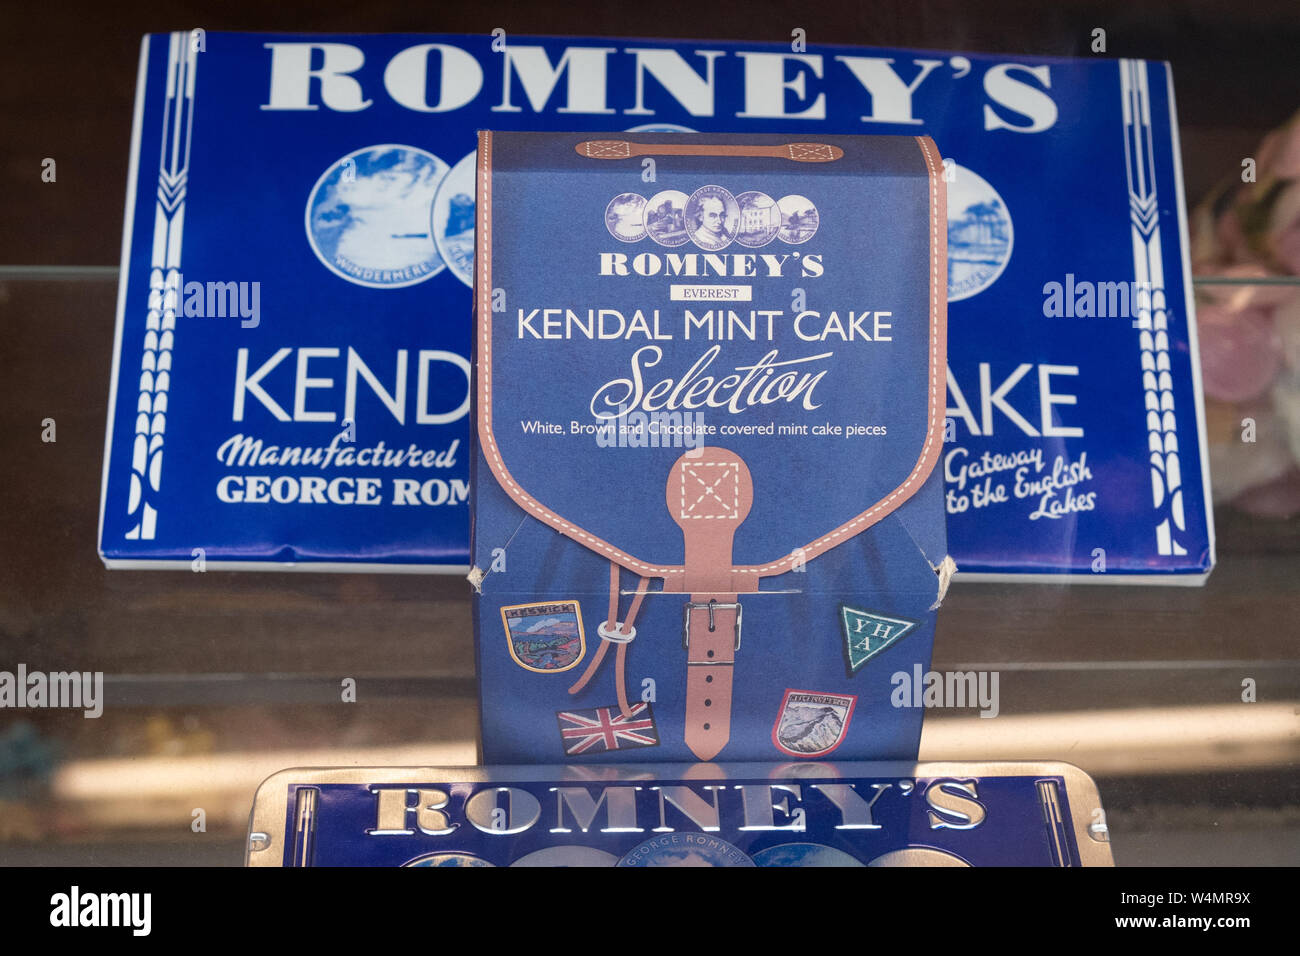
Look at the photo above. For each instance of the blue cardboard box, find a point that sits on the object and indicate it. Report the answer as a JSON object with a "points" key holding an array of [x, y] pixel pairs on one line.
{"points": [[709, 407]]}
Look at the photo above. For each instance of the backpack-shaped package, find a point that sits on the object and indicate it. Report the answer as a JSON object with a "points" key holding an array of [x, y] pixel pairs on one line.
{"points": [[710, 376]]}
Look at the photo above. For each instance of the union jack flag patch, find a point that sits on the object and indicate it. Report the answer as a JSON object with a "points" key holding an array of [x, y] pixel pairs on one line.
{"points": [[605, 728]]}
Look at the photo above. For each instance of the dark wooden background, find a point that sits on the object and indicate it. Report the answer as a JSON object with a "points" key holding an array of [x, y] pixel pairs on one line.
{"points": [[69, 72]]}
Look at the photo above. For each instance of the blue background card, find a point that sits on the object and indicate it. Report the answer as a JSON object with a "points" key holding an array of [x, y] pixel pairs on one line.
{"points": [[316, 196]]}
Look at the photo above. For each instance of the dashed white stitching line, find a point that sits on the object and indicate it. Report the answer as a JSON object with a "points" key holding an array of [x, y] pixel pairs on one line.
{"points": [[806, 553], [734, 508], [817, 152], [812, 550]]}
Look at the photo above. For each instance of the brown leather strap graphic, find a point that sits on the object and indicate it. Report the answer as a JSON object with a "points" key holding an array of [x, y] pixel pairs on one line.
{"points": [[709, 493], [622, 149], [614, 631]]}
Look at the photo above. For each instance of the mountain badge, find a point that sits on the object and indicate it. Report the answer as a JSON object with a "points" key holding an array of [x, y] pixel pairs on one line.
{"points": [[546, 637], [867, 633], [811, 724]]}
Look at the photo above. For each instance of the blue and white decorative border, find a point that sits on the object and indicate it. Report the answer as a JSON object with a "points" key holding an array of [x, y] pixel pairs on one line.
{"points": [[1152, 311], [1170, 537], [164, 275], [160, 317]]}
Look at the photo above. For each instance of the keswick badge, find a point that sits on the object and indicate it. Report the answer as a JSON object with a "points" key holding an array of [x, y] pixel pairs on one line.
{"points": [[741, 364], [546, 637]]}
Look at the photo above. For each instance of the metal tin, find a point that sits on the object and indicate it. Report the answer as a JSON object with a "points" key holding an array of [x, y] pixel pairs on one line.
{"points": [[811, 814]]}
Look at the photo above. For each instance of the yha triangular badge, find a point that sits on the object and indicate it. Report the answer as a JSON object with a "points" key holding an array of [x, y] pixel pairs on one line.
{"points": [[709, 398]]}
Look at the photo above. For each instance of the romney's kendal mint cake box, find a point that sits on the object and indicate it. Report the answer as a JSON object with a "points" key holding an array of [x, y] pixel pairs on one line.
{"points": [[707, 517]]}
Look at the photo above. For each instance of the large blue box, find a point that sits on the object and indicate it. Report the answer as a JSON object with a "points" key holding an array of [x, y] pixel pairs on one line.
{"points": [[303, 205]]}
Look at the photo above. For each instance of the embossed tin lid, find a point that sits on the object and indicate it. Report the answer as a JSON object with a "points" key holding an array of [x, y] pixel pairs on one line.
{"points": [[815, 814]]}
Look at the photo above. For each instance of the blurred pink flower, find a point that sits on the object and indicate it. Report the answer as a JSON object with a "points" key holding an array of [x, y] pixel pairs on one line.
{"points": [[1284, 228], [1279, 153], [1241, 351], [1279, 498]]}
